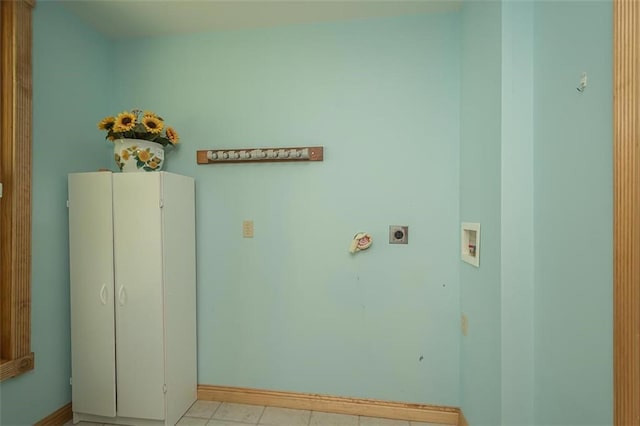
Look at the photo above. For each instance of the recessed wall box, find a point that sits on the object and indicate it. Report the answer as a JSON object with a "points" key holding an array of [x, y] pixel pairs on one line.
{"points": [[470, 243], [398, 234]]}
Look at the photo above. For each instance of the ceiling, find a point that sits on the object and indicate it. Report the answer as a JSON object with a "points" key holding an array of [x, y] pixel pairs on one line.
{"points": [[120, 19]]}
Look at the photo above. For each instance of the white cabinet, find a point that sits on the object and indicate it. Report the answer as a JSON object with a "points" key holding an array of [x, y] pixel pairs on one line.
{"points": [[133, 297]]}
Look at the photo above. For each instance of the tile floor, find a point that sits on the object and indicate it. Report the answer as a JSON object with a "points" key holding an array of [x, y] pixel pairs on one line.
{"points": [[212, 413]]}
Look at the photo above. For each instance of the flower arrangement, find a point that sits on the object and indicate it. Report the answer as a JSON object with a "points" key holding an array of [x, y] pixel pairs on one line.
{"points": [[132, 133], [136, 124]]}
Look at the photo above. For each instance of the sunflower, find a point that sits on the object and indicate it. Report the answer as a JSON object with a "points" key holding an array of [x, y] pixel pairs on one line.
{"points": [[107, 123], [125, 154], [152, 124], [172, 135], [125, 121], [139, 124], [144, 155], [153, 164]]}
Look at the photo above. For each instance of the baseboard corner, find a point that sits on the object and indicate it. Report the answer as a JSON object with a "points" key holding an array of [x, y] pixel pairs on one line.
{"points": [[462, 421], [59, 417]]}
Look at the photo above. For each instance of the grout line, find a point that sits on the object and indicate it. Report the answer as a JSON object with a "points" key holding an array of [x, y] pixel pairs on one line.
{"points": [[264, 408], [215, 411]]}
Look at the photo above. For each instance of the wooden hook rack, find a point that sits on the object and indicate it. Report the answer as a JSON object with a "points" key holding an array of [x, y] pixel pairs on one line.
{"points": [[257, 155]]}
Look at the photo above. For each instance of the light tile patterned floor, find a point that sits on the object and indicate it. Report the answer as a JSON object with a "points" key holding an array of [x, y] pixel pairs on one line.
{"points": [[211, 413]]}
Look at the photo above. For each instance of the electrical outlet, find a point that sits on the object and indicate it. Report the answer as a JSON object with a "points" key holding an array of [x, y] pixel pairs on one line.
{"points": [[398, 234], [247, 229]]}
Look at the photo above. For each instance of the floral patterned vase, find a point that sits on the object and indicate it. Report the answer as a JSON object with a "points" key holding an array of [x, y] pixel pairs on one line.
{"points": [[138, 155]]}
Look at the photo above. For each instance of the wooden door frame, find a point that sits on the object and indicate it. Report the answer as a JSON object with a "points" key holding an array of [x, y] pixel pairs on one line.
{"points": [[626, 226], [15, 174]]}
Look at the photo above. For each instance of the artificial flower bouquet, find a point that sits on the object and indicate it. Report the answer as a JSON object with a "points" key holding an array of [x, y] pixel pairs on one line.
{"points": [[138, 124]]}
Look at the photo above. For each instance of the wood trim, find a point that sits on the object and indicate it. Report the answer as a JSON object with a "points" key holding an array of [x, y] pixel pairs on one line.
{"points": [[15, 367], [626, 153], [59, 417], [15, 174], [316, 153], [331, 404], [462, 421]]}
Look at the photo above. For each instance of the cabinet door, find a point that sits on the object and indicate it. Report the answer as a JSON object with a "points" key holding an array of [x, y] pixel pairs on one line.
{"points": [[139, 312], [91, 276]]}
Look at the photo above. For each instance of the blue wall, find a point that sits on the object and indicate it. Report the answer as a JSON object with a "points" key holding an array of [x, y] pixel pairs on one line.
{"points": [[542, 353], [480, 192], [291, 309], [516, 215], [299, 312], [71, 79], [573, 213]]}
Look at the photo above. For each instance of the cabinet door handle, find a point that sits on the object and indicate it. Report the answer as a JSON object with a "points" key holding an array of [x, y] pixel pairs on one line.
{"points": [[122, 296], [104, 295]]}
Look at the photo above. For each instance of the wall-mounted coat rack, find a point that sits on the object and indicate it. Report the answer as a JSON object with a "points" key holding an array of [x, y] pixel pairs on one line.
{"points": [[256, 155]]}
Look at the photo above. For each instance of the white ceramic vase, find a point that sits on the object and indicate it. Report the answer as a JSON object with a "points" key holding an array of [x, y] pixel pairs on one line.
{"points": [[138, 155]]}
